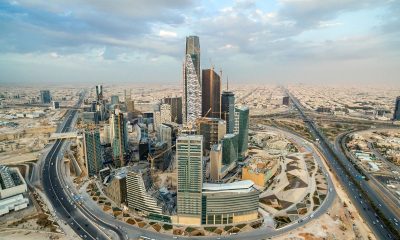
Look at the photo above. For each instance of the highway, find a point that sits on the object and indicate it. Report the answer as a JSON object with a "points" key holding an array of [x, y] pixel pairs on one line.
{"points": [[356, 187], [65, 208]]}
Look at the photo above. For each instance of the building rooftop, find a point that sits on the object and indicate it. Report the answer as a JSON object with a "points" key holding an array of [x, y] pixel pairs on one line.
{"points": [[240, 186]]}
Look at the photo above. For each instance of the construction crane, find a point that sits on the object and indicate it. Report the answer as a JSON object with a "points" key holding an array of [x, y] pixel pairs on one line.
{"points": [[151, 158]]}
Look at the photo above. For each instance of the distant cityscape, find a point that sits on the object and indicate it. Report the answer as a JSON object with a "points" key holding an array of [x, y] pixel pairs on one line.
{"points": [[206, 159]]}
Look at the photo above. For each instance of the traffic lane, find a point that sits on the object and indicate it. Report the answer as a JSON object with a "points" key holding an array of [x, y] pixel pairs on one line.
{"points": [[81, 223], [368, 214], [48, 186], [371, 193], [57, 193]]}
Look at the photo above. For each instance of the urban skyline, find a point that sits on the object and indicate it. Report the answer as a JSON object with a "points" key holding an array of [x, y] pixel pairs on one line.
{"points": [[277, 152]]}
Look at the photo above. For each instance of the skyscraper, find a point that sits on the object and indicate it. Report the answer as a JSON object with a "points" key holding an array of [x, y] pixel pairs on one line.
{"points": [[228, 110], [396, 115], [119, 137], [165, 113], [191, 81], [45, 96], [93, 153], [211, 93], [114, 99], [229, 149], [189, 153], [243, 140], [138, 183], [212, 130], [99, 93], [176, 108]]}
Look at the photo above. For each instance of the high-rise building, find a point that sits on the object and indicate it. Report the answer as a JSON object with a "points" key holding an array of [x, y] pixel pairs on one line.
{"points": [[189, 154], [119, 137], [138, 183], [93, 151], [176, 108], [130, 106], [165, 133], [56, 105], [114, 99], [211, 93], [229, 149], [236, 127], [165, 113], [285, 101], [228, 110], [192, 81], [396, 115], [216, 162], [99, 93], [243, 140], [45, 96], [212, 130]]}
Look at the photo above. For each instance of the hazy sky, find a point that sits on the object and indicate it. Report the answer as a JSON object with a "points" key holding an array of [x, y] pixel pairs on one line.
{"points": [[129, 41]]}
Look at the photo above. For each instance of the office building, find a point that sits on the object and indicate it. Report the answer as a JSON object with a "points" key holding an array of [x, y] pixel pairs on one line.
{"points": [[165, 113], [189, 157], [229, 149], [216, 162], [229, 203], [165, 133], [130, 105], [212, 130], [191, 81], [115, 184], [211, 93], [114, 99], [157, 120], [176, 108], [243, 140], [99, 93], [11, 182], [45, 96], [396, 115], [139, 192], [93, 152], [236, 127], [285, 101], [228, 110], [55, 105], [119, 137], [218, 170], [89, 117]]}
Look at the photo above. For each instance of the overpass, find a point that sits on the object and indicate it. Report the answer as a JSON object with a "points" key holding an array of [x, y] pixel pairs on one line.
{"points": [[65, 135]]}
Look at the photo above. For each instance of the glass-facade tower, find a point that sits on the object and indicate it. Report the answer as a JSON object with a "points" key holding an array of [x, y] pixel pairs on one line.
{"points": [[191, 81], [93, 153], [228, 110], [189, 153], [243, 140]]}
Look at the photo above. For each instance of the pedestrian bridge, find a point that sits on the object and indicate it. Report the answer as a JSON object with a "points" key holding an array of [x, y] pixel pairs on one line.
{"points": [[68, 135]]}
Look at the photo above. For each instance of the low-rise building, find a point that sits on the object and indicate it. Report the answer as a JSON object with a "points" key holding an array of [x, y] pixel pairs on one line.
{"points": [[229, 203], [259, 171], [11, 182], [15, 203]]}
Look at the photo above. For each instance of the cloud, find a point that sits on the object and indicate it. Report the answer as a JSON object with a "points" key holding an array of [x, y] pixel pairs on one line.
{"points": [[242, 33], [167, 34]]}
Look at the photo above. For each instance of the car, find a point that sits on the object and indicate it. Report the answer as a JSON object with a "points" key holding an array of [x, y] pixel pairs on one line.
{"points": [[373, 222]]}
